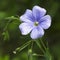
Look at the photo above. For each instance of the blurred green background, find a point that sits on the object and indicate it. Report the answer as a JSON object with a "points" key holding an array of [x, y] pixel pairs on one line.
{"points": [[10, 35]]}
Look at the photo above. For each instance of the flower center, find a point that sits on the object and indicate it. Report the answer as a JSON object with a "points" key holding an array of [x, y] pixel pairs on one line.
{"points": [[36, 23]]}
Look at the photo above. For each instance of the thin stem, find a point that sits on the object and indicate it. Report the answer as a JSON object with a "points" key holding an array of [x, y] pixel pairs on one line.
{"points": [[43, 44], [39, 46], [32, 45], [7, 25], [30, 56], [13, 17], [22, 47]]}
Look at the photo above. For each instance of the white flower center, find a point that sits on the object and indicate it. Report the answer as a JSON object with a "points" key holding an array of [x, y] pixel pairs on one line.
{"points": [[36, 23]]}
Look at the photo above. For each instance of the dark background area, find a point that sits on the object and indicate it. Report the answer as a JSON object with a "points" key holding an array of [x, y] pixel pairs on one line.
{"points": [[10, 35]]}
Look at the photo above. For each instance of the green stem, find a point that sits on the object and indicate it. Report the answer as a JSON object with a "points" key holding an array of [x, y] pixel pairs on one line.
{"points": [[13, 17], [30, 56], [7, 25], [39, 46], [22, 47], [43, 44]]}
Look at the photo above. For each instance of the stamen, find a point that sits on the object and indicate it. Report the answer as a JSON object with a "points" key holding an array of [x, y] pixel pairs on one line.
{"points": [[36, 23]]}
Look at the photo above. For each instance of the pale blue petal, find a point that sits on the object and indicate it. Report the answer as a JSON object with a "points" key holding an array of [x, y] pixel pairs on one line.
{"points": [[25, 28], [27, 17], [45, 22], [38, 12], [37, 33]]}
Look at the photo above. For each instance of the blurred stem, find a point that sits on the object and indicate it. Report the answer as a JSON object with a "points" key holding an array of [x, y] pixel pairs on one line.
{"points": [[13, 18], [30, 56], [7, 25], [9, 20], [39, 45], [43, 44], [22, 47]]}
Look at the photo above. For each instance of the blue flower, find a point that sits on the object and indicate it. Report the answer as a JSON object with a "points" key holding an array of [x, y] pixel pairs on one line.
{"points": [[34, 22]]}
